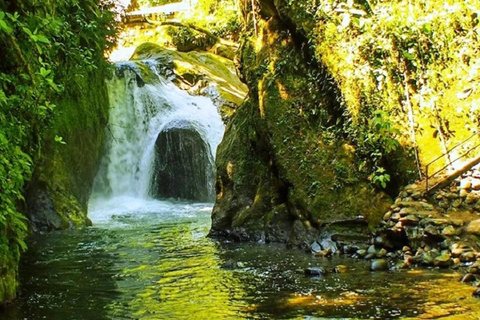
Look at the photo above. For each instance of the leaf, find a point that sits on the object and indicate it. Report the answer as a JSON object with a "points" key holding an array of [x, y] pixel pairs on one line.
{"points": [[43, 39], [59, 140], [4, 26], [44, 73]]}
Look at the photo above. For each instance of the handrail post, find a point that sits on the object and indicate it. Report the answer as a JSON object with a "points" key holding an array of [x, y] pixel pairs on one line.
{"points": [[426, 178]]}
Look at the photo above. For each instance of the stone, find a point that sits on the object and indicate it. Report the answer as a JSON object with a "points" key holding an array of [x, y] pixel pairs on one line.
{"points": [[372, 249], [361, 253], [230, 264], [340, 269], [329, 244], [324, 253], [465, 184], [467, 256], [407, 211], [314, 272], [457, 202], [451, 196], [387, 215], [410, 220], [474, 268], [426, 259], [379, 265], [417, 195], [449, 231], [443, 261], [476, 293], [471, 198], [183, 165], [459, 248], [382, 253], [474, 227], [475, 183], [315, 247], [369, 256]]}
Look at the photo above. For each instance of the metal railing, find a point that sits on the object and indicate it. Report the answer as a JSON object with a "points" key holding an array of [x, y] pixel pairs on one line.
{"points": [[450, 162]]}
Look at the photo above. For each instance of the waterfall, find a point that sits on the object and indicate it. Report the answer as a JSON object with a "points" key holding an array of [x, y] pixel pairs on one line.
{"points": [[144, 106]]}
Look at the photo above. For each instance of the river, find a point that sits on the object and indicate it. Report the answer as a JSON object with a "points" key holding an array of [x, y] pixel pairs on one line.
{"points": [[152, 260]]}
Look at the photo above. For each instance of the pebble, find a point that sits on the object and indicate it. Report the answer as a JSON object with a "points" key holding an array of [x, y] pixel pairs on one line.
{"points": [[468, 278], [379, 265], [315, 247], [443, 261], [314, 272], [449, 231], [340, 269]]}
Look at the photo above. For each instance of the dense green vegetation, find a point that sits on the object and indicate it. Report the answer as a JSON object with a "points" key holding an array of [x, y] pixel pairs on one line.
{"points": [[406, 70], [48, 52]]}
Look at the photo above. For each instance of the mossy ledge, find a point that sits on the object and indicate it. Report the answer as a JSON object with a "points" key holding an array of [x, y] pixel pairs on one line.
{"points": [[284, 174]]}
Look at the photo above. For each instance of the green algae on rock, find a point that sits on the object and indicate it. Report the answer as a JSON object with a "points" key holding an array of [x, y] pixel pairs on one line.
{"points": [[283, 174], [199, 73]]}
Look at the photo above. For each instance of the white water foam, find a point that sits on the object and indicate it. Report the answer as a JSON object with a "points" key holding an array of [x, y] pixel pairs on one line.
{"points": [[137, 115]]}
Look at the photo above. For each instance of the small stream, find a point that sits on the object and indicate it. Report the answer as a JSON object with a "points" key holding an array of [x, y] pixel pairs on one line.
{"points": [[152, 260]]}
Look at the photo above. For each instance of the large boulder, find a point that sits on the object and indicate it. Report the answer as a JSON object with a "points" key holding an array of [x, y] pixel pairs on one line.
{"points": [[183, 165]]}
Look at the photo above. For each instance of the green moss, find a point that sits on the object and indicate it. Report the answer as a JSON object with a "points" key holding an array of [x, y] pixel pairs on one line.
{"points": [[284, 148], [215, 69]]}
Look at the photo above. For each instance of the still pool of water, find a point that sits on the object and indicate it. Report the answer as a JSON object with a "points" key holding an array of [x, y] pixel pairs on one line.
{"points": [[152, 260]]}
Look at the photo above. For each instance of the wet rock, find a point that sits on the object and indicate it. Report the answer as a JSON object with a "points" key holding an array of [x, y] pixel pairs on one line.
{"points": [[387, 215], [417, 195], [324, 253], [458, 248], [467, 256], [230, 264], [465, 184], [379, 265], [474, 227], [361, 253], [328, 244], [443, 261], [315, 247], [410, 220], [476, 293], [462, 193], [382, 253], [457, 203], [340, 269], [314, 272], [426, 259], [475, 183], [471, 198], [349, 249], [372, 249], [474, 268], [183, 165], [449, 231]]}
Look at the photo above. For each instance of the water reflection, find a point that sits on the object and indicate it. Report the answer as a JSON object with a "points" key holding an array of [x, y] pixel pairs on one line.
{"points": [[158, 264]]}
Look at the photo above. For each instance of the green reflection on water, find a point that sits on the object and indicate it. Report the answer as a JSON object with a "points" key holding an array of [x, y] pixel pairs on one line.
{"points": [[161, 266]]}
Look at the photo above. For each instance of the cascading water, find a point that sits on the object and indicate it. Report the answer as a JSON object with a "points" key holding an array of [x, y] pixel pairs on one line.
{"points": [[141, 113]]}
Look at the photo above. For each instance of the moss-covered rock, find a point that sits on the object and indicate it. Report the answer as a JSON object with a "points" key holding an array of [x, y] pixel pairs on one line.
{"points": [[200, 73], [285, 170], [57, 196]]}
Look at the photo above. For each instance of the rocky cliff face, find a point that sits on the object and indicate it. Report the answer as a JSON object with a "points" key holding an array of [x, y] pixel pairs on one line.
{"points": [[57, 196], [285, 171]]}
